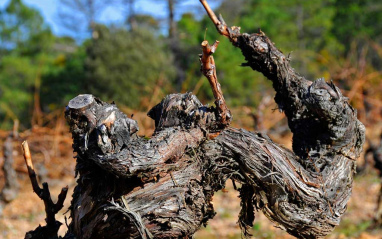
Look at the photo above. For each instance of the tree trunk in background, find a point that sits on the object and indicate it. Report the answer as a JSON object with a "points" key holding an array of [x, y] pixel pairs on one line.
{"points": [[11, 187], [172, 23], [131, 14], [174, 45]]}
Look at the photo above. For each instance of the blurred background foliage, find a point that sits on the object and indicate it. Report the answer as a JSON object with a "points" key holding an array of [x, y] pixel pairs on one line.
{"points": [[126, 62]]}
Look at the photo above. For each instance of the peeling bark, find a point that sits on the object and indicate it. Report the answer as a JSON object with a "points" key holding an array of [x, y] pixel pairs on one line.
{"points": [[162, 187], [168, 181]]}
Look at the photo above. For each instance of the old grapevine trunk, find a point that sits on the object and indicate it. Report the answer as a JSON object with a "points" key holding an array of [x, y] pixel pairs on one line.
{"points": [[134, 187], [162, 187]]}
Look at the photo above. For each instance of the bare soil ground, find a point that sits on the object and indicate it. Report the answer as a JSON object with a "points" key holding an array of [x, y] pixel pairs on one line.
{"points": [[51, 147]]}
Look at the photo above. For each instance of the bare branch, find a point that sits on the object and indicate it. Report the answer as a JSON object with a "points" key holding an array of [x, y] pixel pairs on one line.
{"points": [[30, 167], [221, 26], [208, 68], [51, 209]]}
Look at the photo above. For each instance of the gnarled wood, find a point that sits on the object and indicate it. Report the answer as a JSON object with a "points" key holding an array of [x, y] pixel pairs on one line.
{"points": [[132, 187], [169, 180]]}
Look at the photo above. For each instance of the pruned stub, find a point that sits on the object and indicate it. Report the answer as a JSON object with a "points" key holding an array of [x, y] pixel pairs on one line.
{"points": [[163, 179], [91, 119]]}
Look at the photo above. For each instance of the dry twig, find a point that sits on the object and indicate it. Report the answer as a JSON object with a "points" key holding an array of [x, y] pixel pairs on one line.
{"points": [[209, 70], [51, 209], [221, 26]]}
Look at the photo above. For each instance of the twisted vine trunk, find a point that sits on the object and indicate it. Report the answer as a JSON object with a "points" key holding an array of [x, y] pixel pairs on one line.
{"points": [[162, 187]]}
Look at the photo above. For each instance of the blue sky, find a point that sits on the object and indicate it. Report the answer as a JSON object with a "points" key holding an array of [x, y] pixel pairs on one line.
{"points": [[48, 9]]}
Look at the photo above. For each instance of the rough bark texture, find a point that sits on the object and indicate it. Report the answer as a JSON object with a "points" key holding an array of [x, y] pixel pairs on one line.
{"points": [[133, 187], [162, 187]]}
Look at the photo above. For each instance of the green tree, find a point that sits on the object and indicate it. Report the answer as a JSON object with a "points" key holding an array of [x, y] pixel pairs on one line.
{"points": [[125, 66], [357, 20], [17, 76], [303, 28], [23, 29], [29, 52], [239, 84], [23, 36], [65, 78]]}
